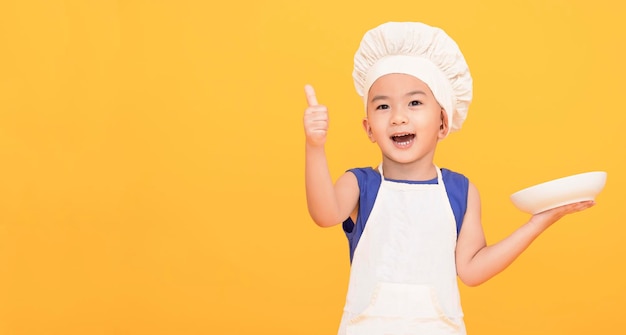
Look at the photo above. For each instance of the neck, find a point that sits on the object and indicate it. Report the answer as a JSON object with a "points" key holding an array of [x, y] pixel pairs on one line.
{"points": [[415, 171]]}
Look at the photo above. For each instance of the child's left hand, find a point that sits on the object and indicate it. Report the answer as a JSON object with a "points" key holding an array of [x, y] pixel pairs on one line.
{"points": [[547, 218]]}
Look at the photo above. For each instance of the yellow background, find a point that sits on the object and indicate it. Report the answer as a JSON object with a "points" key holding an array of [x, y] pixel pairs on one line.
{"points": [[151, 161]]}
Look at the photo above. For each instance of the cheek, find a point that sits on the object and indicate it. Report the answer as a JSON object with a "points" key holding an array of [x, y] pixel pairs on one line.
{"points": [[428, 120], [377, 133]]}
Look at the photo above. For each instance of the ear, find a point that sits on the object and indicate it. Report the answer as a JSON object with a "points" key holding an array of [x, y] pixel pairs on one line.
{"points": [[368, 130], [443, 128]]}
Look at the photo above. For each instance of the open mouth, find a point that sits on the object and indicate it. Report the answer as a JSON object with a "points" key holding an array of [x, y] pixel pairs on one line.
{"points": [[403, 139]]}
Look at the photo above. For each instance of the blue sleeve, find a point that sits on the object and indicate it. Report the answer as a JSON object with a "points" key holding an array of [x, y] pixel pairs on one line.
{"points": [[457, 187], [369, 183]]}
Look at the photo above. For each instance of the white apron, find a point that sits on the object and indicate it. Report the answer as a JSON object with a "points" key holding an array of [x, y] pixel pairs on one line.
{"points": [[403, 273]]}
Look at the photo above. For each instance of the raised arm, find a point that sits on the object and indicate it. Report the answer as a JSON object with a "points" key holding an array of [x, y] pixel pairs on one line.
{"points": [[476, 262], [328, 204]]}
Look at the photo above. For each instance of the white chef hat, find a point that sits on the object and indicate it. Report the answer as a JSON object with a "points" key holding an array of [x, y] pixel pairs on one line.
{"points": [[422, 51]]}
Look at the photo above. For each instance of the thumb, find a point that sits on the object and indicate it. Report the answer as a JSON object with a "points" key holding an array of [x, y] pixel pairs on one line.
{"points": [[310, 95]]}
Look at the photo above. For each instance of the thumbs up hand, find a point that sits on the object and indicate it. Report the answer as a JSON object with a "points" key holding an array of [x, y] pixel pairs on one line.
{"points": [[315, 119]]}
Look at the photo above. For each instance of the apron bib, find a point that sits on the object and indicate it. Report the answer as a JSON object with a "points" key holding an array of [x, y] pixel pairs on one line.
{"points": [[403, 273]]}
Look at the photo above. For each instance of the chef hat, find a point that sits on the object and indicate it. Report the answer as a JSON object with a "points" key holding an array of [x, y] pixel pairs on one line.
{"points": [[422, 51]]}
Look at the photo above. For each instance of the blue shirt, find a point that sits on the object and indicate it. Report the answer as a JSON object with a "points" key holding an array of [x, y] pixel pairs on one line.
{"points": [[457, 186]]}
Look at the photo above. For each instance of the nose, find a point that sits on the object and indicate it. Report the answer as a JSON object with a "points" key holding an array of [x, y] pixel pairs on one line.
{"points": [[398, 116]]}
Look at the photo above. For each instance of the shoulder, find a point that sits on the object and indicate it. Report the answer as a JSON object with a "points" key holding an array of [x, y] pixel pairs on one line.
{"points": [[458, 187], [462, 187], [365, 175], [455, 178], [369, 172]]}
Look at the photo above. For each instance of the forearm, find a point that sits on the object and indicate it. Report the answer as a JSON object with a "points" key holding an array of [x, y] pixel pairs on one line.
{"points": [[491, 260], [321, 198]]}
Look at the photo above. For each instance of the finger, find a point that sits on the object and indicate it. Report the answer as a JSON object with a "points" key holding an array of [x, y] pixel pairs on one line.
{"points": [[316, 124], [585, 204], [316, 110], [574, 207], [310, 95]]}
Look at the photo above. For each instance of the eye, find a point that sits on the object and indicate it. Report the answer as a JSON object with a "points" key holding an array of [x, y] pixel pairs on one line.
{"points": [[382, 107], [415, 103]]}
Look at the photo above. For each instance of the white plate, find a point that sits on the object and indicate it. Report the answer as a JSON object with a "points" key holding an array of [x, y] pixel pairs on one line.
{"points": [[559, 192]]}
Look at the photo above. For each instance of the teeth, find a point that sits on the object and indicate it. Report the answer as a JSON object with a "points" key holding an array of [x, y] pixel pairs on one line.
{"points": [[403, 139], [400, 135]]}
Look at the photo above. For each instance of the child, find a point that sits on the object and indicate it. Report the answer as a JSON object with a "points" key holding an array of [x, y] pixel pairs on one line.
{"points": [[412, 227]]}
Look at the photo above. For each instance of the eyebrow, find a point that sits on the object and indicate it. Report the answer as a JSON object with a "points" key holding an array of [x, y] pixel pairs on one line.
{"points": [[383, 97]]}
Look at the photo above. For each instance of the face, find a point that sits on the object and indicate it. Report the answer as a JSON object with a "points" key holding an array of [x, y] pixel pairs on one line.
{"points": [[404, 119]]}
